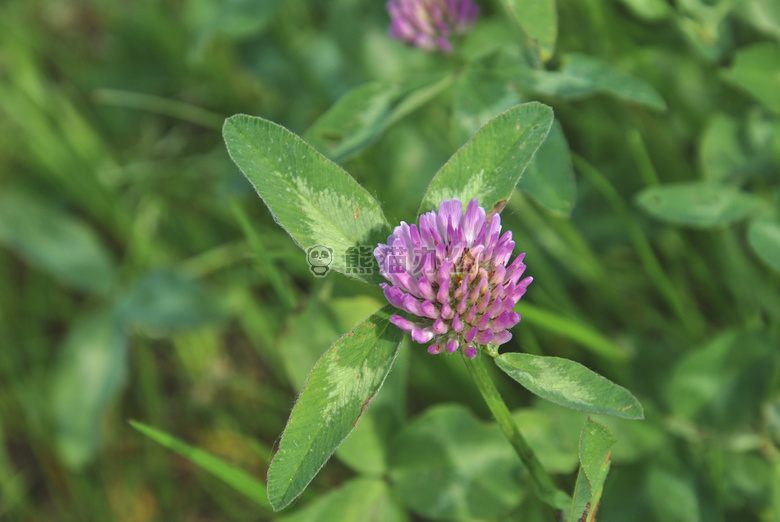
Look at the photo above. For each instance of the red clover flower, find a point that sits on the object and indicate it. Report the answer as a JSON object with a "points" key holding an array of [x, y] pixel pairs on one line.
{"points": [[428, 24], [451, 273]]}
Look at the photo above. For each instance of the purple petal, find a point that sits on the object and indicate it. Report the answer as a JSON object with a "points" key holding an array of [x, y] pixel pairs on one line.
{"points": [[457, 324], [429, 310], [483, 321], [502, 337], [422, 336], [514, 318], [471, 316], [462, 307], [472, 221], [485, 336], [471, 351], [443, 295], [394, 295], [446, 311], [434, 348], [468, 336], [440, 327], [462, 290], [412, 305], [499, 323], [452, 345], [403, 323], [497, 307], [484, 301], [425, 288]]}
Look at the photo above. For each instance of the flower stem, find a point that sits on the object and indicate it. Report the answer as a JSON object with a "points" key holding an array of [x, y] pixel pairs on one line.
{"points": [[545, 488]]}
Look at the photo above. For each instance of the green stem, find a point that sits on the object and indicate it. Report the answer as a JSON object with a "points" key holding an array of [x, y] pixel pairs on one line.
{"points": [[545, 487]]}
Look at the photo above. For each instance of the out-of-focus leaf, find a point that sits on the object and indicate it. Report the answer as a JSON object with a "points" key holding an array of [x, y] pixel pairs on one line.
{"points": [[478, 96], [596, 444], [312, 198], [733, 150], [339, 389], [570, 384], [698, 204], [764, 239], [722, 383], [165, 301], [360, 500], [489, 166], [485, 38], [764, 15], [583, 75], [721, 153], [237, 479], [673, 497], [548, 434], [89, 375], [638, 440], [354, 121], [447, 465], [607, 79], [747, 479], [549, 178], [50, 239], [650, 10], [362, 114], [539, 21], [233, 19], [757, 70]]}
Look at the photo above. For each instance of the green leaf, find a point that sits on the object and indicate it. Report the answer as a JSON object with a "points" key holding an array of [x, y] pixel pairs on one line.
{"points": [[339, 389], [722, 384], [447, 465], [489, 166], [570, 384], [549, 436], [731, 150], [362, 114], [649, 10], [164, 301], [248, 486], [54, 241], [549, 178], [360, 500], [365, 451], [583, 75], [478, 96], [764, 239], [312, 198], [596, 444], [673, 497], [605, 78], [698, 204], [764, 15], [354, 121], [89, 375], [757, 70], [539, 20]]}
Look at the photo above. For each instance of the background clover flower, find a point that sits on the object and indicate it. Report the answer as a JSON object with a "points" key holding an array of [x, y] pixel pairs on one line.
{"points": [[451, 273], [428, 24]]}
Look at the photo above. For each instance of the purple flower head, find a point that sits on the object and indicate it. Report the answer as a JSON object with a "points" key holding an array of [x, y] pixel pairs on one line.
{"points": [[428, 24], [451, 273]]}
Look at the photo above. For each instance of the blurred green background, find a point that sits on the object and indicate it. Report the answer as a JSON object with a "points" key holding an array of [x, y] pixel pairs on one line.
{"points": [[141, 277]]}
